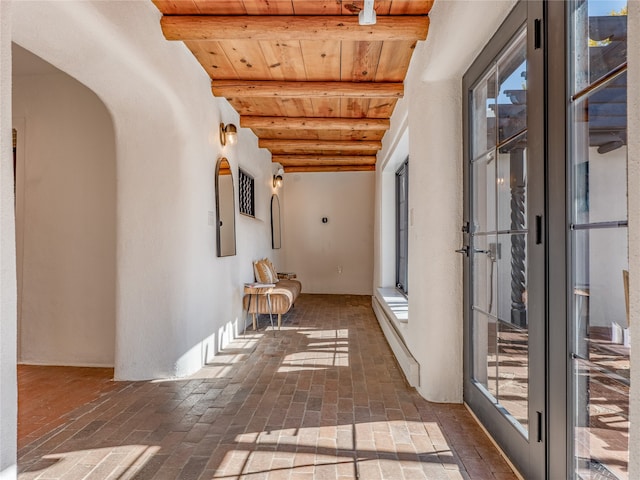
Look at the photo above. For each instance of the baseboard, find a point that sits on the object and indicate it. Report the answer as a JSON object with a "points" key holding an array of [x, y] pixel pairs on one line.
{"points": [[67, 364]]}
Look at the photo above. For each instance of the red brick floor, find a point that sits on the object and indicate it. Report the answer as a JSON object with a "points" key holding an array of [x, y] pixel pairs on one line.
{"points": [[321, 399], [47, 394]]}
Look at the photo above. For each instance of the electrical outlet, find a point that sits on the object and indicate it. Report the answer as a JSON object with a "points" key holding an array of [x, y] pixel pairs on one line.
{"points": [[340, 269]]}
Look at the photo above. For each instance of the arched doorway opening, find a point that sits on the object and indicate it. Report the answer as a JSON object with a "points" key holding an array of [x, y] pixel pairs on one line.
{"points": [[65, 217]]}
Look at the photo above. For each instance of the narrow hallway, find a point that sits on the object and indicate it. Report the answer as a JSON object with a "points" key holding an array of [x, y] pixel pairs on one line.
{"points": [[321, 399]]}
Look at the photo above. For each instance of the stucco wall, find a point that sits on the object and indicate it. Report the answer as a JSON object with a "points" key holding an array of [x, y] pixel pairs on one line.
{"points": [[433, 107], [337, 256], [8, 380], [66, 215], [607, 249], [177, 303]]}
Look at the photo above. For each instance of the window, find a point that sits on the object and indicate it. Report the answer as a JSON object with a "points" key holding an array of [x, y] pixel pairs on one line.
{"points": [[600, 349], [402, 227], [247, 200]]}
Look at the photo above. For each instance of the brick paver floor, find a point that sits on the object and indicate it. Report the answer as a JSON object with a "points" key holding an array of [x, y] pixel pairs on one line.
{"points": [[320, 399], [44, 399]]}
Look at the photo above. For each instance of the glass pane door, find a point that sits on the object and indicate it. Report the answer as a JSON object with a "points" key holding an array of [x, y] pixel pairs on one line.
{"points": [[498, 250], [504, 275], [598, 240]]}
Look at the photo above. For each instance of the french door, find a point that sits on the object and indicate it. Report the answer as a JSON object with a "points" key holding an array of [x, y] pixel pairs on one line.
{"points": [[587, 282], [505, 256], [598, 299], [547, 348]]}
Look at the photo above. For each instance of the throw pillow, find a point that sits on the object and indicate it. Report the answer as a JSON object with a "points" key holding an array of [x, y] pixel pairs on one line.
{"points": [[261, 272], [274, 274]]}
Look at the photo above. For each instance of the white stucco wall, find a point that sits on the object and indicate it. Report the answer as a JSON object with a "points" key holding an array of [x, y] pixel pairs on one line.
{"points": [[176, 302], [65, 222], [607, 247], [433, 107], [8, 380], [337, 256]]}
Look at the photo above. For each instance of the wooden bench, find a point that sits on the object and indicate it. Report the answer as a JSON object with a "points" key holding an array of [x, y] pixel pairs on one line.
{"points": [[282, 296]]}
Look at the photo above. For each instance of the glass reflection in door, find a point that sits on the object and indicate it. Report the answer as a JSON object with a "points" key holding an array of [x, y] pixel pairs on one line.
{"points": [[600, 348], [500, 339]]}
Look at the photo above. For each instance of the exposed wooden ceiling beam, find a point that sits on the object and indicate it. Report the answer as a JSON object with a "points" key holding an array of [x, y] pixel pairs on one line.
{"points": [[298, 27], [309, 123], [316, 160], [336, 168], [296, 146], [269, 89]]}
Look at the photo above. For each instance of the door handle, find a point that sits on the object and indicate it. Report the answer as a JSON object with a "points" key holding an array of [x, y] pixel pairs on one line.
{"points": [[540, 423], [464, 250]]}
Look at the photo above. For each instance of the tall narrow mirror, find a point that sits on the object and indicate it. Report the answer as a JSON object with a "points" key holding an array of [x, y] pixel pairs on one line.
{"points": [[276, 239], [225, 210]]}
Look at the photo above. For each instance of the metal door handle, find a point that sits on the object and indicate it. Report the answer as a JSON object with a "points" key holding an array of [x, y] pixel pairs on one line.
{"points": [[464, 250]]}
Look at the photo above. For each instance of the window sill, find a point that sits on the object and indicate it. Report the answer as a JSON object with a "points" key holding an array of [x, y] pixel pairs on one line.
{"points": [[394, 303], [391, 308]]}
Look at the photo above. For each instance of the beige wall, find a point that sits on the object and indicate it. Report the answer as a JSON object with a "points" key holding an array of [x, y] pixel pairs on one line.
{"points": [[66, 213], [337, 256]]}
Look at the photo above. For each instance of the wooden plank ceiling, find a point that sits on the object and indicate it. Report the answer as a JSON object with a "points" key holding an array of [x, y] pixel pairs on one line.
{"points": [[316, 87]]}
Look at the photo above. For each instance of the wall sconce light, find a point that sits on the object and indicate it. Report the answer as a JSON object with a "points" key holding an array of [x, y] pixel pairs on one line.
{"points": [[228, 134], [278, 179]]}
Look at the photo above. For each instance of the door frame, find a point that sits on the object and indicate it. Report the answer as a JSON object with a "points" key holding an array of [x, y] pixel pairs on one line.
{"points": [[556, 228], [529, 456]]}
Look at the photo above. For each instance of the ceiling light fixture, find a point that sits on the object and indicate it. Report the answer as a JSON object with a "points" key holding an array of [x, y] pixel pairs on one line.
{"points": [[228, 134], [367, 15]]}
